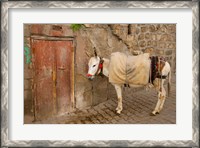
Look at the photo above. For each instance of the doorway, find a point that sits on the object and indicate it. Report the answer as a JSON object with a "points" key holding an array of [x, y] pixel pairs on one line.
{"points": [[53, 83]]}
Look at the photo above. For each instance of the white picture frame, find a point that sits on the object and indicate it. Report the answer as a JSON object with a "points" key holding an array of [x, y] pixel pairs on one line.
{"points": [[5, 130]]}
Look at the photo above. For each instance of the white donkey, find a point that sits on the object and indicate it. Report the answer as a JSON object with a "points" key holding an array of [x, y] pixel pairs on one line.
{"points": [[138, 76]]}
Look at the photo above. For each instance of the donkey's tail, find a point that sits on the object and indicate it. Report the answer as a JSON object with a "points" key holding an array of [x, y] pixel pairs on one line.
{"points": [[169, 82]]}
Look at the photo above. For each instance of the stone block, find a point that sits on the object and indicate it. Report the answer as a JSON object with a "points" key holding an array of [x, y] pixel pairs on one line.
{"points": [[135, 50], [141, 37], [153, 37], [158, 36], [168, 52], [133, 29], [162, 28], [129, 44], [161, 44], [115, 26], [147, 36], [171, 45], [130, 38], [152, 28], [88, 25], [171, 28], [148, 43], [143, 29], [137, 31], [149, 50], [123, 35], [154, 43], [167, 58], [164, 37], [160, 52], [135, 43], [171, 38], [142, 43]]}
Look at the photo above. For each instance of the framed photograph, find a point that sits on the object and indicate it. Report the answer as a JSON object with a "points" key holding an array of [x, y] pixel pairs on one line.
{"points": [[102, 74]]}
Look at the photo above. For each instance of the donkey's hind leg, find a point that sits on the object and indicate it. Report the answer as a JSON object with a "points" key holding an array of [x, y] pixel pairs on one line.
{"points": [[118, 89], [161, 98], [156, 110]]}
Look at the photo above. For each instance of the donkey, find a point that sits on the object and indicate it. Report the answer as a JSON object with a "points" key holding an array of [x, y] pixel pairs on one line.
{"points": [[103, 66]]}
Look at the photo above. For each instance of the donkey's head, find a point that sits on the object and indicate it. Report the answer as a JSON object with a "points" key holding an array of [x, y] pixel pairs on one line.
{"points": [[93, 66]]}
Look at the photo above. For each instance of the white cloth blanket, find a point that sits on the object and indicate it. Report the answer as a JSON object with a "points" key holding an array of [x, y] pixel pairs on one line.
{"points": [[128, 69]]}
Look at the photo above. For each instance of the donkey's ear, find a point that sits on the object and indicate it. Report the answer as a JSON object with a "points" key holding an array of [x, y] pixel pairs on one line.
{"points": [[95, 52]]}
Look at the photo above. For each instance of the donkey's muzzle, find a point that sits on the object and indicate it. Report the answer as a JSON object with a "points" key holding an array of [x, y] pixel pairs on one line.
{"points": [[89, 76]]}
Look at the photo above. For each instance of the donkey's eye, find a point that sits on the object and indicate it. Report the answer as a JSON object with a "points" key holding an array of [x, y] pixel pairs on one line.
{"points": [[93, 65]]}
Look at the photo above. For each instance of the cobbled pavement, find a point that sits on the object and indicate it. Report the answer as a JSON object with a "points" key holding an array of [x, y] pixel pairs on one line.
{"points": [[137, 107]]}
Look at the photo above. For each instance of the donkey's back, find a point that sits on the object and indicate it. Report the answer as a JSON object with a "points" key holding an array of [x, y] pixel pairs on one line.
{"points": [[129, 69]]}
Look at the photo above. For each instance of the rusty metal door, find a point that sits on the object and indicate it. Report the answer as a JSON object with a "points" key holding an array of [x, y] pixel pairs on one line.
{"points": [[53, 79]]}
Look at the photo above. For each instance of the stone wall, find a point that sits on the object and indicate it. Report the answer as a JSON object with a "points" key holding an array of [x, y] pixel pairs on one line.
{"points": [[159, 39]]}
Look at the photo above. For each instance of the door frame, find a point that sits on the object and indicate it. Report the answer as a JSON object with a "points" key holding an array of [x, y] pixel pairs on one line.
{"points": [[52, 38]]}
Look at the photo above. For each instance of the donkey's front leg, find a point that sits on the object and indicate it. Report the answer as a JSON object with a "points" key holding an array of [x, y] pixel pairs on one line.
{"points": [[118, 89]]}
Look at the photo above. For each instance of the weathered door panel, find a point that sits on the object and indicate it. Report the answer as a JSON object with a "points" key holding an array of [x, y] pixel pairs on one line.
{"points": [[53, 64], [64, 78], [43, 64]]}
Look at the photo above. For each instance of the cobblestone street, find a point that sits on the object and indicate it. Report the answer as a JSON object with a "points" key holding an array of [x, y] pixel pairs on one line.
{"points": [[137, 107]]}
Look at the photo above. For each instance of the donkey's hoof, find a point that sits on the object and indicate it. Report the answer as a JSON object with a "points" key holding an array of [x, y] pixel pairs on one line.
{"points": [[157, 113], [118, 112], [152, 114]]}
